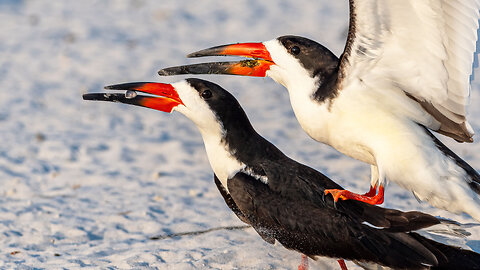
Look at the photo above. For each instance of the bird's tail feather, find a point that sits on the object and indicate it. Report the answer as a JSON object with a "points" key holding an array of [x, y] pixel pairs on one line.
{"points": [[450, 257], [451, 228], [473, 179]]}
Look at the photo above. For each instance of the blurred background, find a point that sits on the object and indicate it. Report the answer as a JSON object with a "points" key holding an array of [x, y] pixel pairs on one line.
{"points": [[86, 184]]}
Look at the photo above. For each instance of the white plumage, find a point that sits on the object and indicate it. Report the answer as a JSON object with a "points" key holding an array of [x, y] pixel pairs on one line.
{"points": [[406, 62], [424, 47], [221, 160], [407, 65]]}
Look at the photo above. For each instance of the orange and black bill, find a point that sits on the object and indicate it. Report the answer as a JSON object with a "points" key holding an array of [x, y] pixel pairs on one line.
{"points": [[163, 97], [253, 68], [253, 50], [256, 67]]}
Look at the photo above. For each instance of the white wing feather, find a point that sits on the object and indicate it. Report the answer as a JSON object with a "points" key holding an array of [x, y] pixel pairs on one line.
{"points": [[424, 47]]}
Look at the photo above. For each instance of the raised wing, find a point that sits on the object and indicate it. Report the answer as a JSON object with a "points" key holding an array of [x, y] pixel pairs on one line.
{"points": [[424, 47]]}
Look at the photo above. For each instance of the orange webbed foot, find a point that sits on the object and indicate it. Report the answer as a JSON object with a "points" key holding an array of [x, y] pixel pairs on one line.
{"points": [[369, 197]]}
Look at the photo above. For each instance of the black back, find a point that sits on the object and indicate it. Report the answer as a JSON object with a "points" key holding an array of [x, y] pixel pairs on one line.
{"points": [[291, 208]]}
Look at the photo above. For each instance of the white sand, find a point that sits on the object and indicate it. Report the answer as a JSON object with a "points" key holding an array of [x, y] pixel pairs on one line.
{"points": [[85, 184]]}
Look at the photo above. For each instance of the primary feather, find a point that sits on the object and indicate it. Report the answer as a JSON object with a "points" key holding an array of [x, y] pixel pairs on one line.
{"points": [[423, 47]]}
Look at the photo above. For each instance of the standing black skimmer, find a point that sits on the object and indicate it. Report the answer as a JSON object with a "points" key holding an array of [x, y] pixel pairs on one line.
{"points": [[405, 70], [283, 199]]}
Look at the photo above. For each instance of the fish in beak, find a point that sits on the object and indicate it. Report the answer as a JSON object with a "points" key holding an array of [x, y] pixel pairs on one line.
{"points": [[162, 97]]}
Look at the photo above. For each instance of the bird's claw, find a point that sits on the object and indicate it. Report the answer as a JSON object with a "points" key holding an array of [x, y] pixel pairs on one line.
{"points": [[337, 194], [369, 197]]}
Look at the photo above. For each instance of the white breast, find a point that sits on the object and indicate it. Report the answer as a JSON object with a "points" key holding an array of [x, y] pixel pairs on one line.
{"points": [[221, 160]]}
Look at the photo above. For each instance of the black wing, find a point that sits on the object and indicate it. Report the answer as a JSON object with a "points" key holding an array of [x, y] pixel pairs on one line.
{"points": [[302, 225], [292, 179], [233, 206]]}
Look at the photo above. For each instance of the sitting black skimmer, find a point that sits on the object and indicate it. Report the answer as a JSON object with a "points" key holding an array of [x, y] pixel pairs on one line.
{"points": [[405, 69], [281, 198]]}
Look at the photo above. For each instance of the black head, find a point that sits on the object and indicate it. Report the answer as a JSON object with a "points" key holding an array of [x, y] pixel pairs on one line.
{"points": [[314, 57], [298, 63], [223, 105], [235, 129]]}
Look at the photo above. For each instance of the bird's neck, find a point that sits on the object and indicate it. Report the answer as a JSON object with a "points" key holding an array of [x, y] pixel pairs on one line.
{"points": [[221, 158], [327, 86], [248, 146], [312, 91], [314, 98], [318, 87], [237, 147]]}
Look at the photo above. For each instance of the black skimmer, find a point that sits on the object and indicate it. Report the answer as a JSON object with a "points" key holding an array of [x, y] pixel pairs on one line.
{"points": [[283, 199], [405, 71]]}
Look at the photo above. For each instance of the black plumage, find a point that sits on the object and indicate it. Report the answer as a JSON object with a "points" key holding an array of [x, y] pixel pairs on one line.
{"points": [[290, 206], [284, 201]]}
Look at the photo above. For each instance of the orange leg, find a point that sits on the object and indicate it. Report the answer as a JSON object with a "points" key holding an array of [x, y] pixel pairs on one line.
{"points": [[343, 266], [304, 264], [371, 192], [369, 197]]}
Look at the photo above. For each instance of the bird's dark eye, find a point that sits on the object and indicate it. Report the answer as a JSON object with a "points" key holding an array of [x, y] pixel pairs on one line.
{"points": [[206, 94], [295, 50]]}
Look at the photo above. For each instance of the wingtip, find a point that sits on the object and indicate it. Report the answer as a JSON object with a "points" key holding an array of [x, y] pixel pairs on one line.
{"points": [[469, 129]]}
